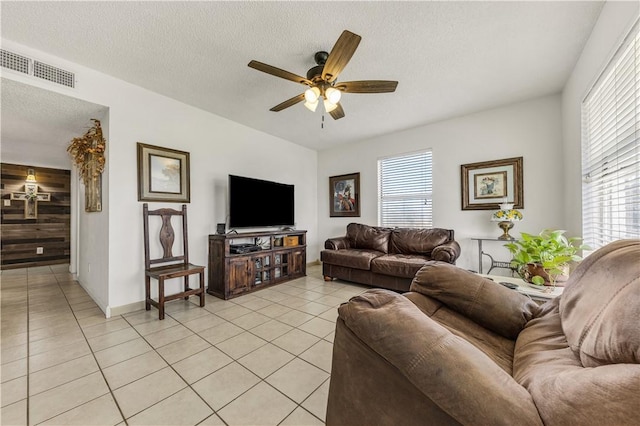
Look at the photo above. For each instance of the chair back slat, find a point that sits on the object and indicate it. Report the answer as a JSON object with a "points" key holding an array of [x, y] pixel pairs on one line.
{"points": [[167, 236], [166, 211]]}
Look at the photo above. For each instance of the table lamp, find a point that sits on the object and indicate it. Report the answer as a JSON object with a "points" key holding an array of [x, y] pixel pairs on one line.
{"points": [[505, 218]]}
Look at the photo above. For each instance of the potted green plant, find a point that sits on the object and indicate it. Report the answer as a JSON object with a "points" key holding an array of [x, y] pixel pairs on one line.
{"points": [[544, 259]]}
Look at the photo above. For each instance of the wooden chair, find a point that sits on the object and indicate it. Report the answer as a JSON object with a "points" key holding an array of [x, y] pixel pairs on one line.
{"points": [[172, 266]]}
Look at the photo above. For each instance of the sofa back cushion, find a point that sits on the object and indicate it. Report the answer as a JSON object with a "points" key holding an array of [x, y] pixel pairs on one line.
{"points": [[368, 237], [417, 240], [600, 306], [480, 299]]}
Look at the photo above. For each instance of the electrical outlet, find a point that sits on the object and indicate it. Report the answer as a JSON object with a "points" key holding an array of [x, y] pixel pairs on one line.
{"points": [[39, 250], [7, 203]]}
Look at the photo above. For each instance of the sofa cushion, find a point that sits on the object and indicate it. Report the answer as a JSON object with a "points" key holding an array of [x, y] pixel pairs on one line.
{"points": [[498, 348], [417, 241], [491, 305], [542, 346], [398, 265], [600, 306], [352, 258], [563, 390], [368, 237]]}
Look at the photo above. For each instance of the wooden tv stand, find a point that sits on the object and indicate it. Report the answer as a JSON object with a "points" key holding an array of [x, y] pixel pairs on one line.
{"points": [[282, 257]]}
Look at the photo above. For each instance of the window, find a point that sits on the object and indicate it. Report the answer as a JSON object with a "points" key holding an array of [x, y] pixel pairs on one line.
{"points": [[405, 190], [611, 150]]}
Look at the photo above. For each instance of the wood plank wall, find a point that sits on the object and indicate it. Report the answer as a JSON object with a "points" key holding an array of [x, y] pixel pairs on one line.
{"points": [[51, 230]]}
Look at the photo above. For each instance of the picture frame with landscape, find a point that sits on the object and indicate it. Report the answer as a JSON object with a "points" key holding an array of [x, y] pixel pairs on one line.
{"points": [[488, 183], [163, 174]]}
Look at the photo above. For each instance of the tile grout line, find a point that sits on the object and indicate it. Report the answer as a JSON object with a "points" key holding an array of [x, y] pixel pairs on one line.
{"points": [[262, 380], [28, 347], [197, 333], [174, 370], [92, 354]]}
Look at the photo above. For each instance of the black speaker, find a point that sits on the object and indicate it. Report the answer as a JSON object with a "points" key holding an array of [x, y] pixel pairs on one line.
{"points": [[221, 228]]}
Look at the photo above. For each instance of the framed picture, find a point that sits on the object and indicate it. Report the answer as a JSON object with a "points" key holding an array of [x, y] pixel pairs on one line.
{"points": [[489, 183], [163, 174], [344, 195]]}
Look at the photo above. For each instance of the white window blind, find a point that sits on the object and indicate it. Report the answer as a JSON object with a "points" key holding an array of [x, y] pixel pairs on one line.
{"points": [[405, 190], [611, 150]]}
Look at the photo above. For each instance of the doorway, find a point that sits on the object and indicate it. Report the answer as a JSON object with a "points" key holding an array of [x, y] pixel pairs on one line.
{"points": [[37, 127]]}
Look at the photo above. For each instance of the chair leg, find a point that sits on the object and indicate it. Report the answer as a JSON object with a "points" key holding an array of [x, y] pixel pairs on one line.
{"points": [[186, 285], [147, 292], [161, 298], [202, 289]]}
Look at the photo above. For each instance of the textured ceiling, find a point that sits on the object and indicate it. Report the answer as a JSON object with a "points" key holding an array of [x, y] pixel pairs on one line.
{"points": [[450, 58], [36, 122]]}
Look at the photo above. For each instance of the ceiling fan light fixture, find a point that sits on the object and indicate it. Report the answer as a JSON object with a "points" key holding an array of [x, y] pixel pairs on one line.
{"points": [[312, 94], [311, 106], [333, 95], [329, 106]]}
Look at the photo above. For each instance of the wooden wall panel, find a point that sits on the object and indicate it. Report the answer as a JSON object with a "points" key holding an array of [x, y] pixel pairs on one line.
{"points": [[51, 230]]}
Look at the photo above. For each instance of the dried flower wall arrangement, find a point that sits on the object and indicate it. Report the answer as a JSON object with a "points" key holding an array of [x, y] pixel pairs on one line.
{"points": [[88, 155], [88, 152]]}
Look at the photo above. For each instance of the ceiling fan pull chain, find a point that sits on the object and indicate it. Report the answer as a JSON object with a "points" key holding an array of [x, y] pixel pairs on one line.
{"points": [[322, 124]]}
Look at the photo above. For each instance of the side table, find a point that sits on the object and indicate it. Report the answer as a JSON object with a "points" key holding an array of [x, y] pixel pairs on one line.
{"points": [[542, 294], [494, 263]]}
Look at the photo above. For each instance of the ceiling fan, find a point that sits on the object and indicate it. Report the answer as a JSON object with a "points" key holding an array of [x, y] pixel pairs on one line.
{"points": [[321, 79]]}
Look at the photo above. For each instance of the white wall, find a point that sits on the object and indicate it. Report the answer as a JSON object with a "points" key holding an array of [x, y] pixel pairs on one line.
{"points": [[614, 23], [531, 129], [44, 156], [217, 146], [92, 267]]}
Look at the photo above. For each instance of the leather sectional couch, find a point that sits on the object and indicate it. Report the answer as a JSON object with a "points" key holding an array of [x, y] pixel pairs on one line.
{"points": [[460, 349], [385, 257]]}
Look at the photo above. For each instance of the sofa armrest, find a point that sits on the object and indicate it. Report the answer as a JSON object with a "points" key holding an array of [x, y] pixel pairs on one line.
{"points": [[447, 252], [451, 372], [337, 243], [497, 308]]}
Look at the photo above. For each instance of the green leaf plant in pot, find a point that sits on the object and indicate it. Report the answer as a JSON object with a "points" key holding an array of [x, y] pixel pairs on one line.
{"points": [[544, 259]]}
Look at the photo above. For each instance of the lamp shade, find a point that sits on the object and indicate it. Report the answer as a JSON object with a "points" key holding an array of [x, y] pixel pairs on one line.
{"points": [[312, 94], [506, 213], [329, 106], [311, 106], [333, 95]]}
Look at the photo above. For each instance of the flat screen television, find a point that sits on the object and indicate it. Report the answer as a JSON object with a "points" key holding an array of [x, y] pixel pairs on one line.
{"points": [[256, 203]]}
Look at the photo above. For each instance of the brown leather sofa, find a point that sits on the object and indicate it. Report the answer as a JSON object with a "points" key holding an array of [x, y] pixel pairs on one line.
{"points": [[385, 257], [461, 349]]}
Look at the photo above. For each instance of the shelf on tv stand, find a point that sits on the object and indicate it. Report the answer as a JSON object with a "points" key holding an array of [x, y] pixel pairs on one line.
{"points": [[233, 274]]}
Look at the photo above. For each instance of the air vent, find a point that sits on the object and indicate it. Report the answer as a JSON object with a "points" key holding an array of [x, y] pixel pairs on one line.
{"points": [[22, 64], [53, 74], [14, 61]]}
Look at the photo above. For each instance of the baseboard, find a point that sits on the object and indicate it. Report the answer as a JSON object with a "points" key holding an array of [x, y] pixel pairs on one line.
{"points": [[314, 263], [125, 309]]}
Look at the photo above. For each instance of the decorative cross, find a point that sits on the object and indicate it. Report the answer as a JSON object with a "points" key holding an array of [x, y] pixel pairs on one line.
{"points": [[31, 198]]}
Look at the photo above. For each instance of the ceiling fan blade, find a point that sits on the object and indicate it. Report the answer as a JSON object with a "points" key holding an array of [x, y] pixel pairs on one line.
{"points": [[367, 86], [340, 55], [288, 103], [337, 113], [269, 69]]}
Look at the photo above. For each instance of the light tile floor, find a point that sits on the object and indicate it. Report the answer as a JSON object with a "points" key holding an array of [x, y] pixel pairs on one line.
{"points": [[259, 359]]}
